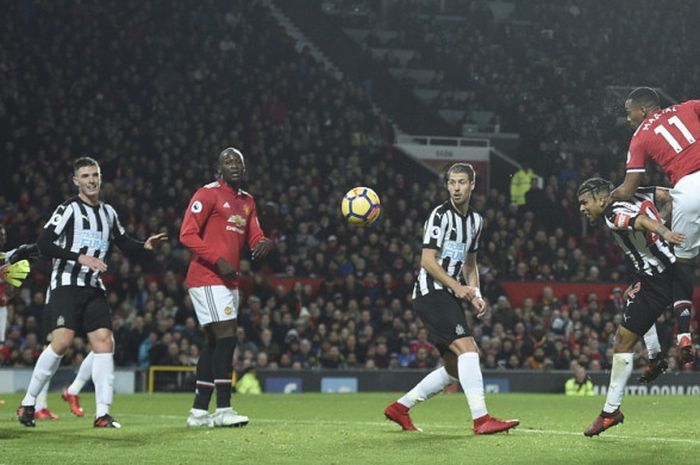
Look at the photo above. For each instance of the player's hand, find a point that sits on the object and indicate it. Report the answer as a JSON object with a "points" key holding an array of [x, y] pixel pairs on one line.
{"points": [[673, 237], [480, 306], [25, 252], [261, 249], [154, 241], [94, 263], [14, 273], [464, 292], [226, 270]]}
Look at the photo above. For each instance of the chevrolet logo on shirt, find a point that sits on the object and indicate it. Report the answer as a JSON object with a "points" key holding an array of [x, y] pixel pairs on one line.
{"points": [[238, 220]]}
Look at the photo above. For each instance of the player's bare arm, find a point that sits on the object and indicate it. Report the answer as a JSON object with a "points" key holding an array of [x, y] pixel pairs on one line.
{"points": [[154, 241], [664, 203], [644, 223], [429, 261], [471, 277], [626, 190]]}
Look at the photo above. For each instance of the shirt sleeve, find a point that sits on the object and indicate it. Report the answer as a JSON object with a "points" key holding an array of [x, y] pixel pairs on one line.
{"points": [[434, 231], [61, 217], [620, 218], [479, 227], [255, 232], [193, 224], [636, 156]]}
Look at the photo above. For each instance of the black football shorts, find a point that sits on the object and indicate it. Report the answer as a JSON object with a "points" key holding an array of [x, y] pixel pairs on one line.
{"points": [[443, 316]]}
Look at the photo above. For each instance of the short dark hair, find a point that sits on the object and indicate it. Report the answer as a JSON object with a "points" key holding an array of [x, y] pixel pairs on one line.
{"points": [[460, 168], [595, 186], [84, 161], [645, 96]]}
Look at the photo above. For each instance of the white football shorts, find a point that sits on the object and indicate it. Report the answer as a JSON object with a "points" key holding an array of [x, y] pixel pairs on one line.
{"points": [[686, 214], [214, 303]]}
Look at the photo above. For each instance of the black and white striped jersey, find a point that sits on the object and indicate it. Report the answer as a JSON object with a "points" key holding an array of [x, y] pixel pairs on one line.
{"points": [[454, 236], [82, 229], [649, 253]]}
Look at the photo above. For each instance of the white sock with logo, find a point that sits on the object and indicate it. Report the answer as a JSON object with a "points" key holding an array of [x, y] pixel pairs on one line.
{"points": [[45, 367], [621, 371], [103, 377], [472, 382], [431, 384]]}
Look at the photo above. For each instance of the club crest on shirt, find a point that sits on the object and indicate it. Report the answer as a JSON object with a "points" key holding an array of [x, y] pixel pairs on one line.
{"points": [[246, 210], [228, 310]]}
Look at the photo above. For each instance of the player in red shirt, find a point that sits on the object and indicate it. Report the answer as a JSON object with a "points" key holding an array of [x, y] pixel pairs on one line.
{"points": [[220, 220], [669, 137]]}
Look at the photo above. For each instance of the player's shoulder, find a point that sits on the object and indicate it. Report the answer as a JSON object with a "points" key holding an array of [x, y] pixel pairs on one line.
{"points": [[211, 185], [246, 195], [439, 210], [475, 214]]}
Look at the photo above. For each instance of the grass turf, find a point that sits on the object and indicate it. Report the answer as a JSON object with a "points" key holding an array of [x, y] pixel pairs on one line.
{"points": [[350, 429]]}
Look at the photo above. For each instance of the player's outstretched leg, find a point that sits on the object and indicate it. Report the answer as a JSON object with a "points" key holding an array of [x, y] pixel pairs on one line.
{"points": [[683, 309], [71, 393], [611, 414], [45, 367], [434, 382], [472, 382]]}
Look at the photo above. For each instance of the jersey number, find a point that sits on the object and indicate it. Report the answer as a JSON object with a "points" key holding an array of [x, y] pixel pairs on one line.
{"points": [[675, 121]]}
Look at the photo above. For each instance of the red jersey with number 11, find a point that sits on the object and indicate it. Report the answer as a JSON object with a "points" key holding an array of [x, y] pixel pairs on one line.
{"points": [[217, 224], [668, 137]]}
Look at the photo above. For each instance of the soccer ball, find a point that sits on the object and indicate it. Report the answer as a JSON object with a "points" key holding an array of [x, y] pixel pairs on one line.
{"points": [[360, 206]]}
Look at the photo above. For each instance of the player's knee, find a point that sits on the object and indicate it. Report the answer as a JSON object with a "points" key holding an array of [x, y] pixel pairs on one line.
{"points": [[101, 341], [61, 339], [625, 340]]}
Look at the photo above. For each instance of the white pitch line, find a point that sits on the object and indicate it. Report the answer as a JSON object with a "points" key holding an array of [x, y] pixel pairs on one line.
{"points": [[439, 427]]}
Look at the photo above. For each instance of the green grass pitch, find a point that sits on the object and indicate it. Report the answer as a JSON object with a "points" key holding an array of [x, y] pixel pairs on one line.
{"points": [[350, 429]]}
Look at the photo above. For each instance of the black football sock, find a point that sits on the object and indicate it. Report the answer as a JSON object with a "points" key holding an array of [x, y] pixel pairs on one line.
{"points": [[205, 379], [683, 296], [223, 355]]}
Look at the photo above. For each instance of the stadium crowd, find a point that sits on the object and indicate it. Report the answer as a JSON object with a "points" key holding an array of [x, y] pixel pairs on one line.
{"points": [[111, 80]]}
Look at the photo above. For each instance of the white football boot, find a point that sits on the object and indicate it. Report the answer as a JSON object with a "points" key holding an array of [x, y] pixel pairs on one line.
{"points": [[230, 418], [200, 418]]}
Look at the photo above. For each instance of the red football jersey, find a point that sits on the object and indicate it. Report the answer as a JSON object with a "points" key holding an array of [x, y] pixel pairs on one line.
{"points": [[668, 137], [217, 223]]}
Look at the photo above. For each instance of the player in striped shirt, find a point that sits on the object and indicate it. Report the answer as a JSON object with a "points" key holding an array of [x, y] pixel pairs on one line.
{"points": [[77, 238], [450, 243], [638, 229]]}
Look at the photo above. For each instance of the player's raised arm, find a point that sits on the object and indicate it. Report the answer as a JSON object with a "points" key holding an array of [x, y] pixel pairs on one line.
{"points": [[644, 223], [629, 186]]}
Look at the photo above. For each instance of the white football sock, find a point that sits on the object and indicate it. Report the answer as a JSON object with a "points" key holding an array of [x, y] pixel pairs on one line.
{"points": [[621, 371], [41, 399], [103, 377], [472, 382], [45, 367], [651, 340], [83, 376], [434, 382]]}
